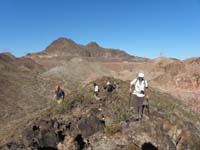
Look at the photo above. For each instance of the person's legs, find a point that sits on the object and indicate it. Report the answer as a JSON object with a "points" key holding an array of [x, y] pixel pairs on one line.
{"points": [[96, 95], [135, 104], [109, 95], [147, 109], [143, 106], [140, 102], [104, 102]]}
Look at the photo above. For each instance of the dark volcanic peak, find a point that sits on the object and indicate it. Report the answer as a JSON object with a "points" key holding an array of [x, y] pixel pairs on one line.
{"points": [[63, 40], [64, 47], [67, 47], [61, 44], [93, 45]]}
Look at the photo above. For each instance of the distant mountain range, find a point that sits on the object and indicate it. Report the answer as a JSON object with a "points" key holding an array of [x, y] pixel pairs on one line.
{"points": [[67, 47]]}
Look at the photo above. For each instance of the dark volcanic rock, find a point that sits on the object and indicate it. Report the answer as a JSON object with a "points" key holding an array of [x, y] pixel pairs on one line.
{"points": [[41, 134], [90, 125]]}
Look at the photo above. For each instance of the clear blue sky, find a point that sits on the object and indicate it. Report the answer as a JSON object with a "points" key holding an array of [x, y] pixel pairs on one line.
{"points": [[145, 28]]}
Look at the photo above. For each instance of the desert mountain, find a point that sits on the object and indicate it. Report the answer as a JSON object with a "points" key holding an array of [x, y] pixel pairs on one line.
{"points": [[66, 47], [28, 87]]}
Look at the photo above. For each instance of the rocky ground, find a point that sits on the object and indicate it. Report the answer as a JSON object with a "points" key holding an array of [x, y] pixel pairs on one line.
{"points": [[85, 122]]}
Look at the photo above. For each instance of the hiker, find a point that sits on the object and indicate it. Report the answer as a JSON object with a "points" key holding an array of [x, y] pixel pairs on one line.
{"points": [[139, 90], [109, 88], [96, 90], [59, 94]]}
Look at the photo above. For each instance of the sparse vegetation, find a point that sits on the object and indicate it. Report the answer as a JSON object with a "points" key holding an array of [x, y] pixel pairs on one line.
{"points": [[112, 129]]}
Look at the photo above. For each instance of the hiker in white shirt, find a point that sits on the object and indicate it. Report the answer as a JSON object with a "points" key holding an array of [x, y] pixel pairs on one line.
{"points": [[96, 90], [139, 90]]}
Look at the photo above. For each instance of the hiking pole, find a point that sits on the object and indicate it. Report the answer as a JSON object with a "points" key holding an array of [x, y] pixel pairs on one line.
{"points": [[130, 94], [148, 107]]}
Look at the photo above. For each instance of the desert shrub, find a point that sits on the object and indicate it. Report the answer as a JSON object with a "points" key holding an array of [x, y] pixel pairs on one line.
{"points": [[112, 129]]}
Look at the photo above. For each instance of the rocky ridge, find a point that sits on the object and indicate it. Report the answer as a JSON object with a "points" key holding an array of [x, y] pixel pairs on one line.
{"points": [[83, 122]]}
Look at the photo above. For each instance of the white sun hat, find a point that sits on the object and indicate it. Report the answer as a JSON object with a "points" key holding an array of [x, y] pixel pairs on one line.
{"points": [[141, 75]]}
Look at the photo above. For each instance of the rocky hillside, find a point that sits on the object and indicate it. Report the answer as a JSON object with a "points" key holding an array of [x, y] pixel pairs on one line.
{"points": [[84, 122], [10, 63], [27, 86], [176, 77], [23, 91], [182, 79]]}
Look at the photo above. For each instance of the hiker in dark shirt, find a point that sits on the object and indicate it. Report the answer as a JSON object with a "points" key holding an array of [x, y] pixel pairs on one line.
{"points": [[59, 94], [109, 89]]}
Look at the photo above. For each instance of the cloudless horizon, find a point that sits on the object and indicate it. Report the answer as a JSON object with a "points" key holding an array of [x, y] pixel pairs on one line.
{"points": [[145, 28]]}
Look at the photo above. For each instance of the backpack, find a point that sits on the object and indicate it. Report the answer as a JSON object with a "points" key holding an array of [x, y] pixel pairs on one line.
{"points": [[60, 94], [144, 82], [110, 88]]}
